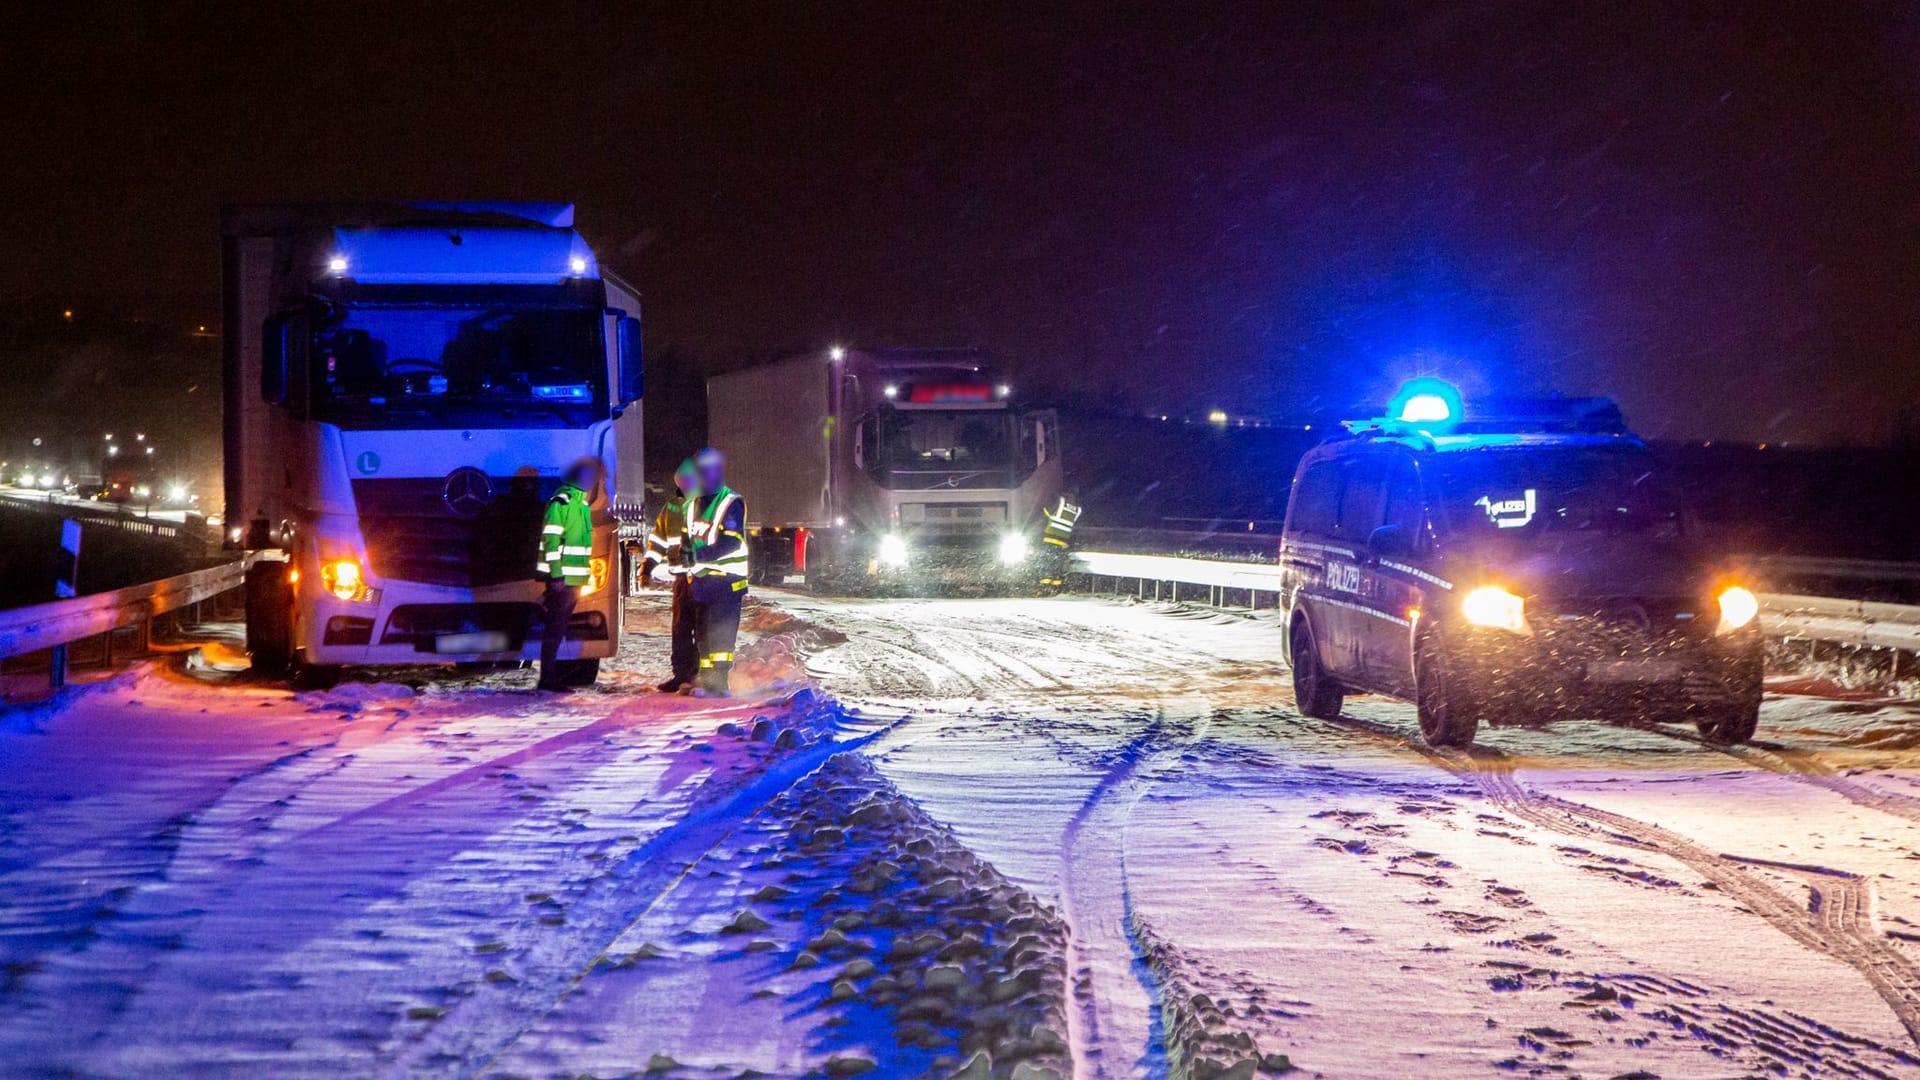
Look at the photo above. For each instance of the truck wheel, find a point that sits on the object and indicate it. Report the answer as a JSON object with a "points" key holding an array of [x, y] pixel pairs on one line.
{"points": [[269, 618], [581, 672], [1447, 712], [1316, 693], [305, 676]]}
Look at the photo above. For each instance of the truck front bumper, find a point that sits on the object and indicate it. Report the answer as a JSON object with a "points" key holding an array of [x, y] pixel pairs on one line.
{"points": [[405, 623]]}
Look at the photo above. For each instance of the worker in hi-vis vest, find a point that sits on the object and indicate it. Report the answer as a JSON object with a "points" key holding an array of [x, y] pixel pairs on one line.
{"points": [[717, 536], [566, 563], [669, 562]]}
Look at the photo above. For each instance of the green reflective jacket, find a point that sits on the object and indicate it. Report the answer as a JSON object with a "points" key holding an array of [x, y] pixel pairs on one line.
{"points": [[566, 540]]}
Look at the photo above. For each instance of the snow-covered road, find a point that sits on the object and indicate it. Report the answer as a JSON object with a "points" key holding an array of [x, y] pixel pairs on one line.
{"points": [[1012, 837]]}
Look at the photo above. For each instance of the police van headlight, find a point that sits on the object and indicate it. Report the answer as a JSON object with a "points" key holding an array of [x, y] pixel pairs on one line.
{"points": [[893, 550], [1013, 549], [1738, 607], [1493, 606]]}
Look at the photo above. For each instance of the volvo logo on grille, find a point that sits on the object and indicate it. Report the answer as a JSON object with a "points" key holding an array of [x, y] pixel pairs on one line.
{"points": [[467, 492]]}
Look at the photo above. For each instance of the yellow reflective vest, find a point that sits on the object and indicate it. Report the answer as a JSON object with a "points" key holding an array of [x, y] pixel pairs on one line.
{"points": [[566, 540]]}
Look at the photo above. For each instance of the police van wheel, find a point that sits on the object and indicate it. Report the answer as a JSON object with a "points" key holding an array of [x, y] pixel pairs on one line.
{"points": [[1446, 712], [1729, 725], [1315, 692]]}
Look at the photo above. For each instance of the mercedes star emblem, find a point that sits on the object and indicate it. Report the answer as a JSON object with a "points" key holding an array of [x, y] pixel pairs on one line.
{"points": [[468, 491]]}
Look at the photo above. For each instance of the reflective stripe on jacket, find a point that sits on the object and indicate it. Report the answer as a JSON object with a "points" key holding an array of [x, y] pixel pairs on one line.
{"points": [[566, 539], [1060, 522], [665, 539], [718, 526]]}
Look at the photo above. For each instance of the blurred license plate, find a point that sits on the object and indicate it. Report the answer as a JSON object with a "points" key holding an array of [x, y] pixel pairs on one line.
{"points": [[1616, 671], [485, 641]]}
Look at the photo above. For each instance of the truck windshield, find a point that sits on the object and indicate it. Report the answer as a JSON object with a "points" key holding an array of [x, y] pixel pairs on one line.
{"points": [[451, 365], [918, 449], [1521, 495]]}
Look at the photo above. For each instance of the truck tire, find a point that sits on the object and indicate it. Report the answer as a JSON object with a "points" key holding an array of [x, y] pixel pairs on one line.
{"points": [[580, 672], [1316, 693], [269, 618], [305, 676], [1448, 715], [1729, 725]]}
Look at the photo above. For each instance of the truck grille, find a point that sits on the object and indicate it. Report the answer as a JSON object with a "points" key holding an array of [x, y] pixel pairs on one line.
{"points": [[413, 535]]}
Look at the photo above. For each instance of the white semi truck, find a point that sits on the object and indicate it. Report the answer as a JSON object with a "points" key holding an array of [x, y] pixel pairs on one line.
{"points": [[405, 385], [897, 470]]}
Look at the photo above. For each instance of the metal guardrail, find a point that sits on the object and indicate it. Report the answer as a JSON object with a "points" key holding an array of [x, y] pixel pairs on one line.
{"points": [[1860, 623], [42, 626]]}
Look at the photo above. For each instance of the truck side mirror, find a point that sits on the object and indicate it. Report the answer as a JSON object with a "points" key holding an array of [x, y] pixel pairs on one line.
{"points": [[632, 367], [273, 359]]}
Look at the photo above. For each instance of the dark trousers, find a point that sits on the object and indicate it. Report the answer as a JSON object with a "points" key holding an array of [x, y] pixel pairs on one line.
{"points": [[558, 604], [686, 661], [716, 626]]}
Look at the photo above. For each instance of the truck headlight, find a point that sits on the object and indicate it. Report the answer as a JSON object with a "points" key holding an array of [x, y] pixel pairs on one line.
{"points": [[596, 576], [343, 579], [1738, 607], [893, 550], [1491, 605], [1013, 549]]}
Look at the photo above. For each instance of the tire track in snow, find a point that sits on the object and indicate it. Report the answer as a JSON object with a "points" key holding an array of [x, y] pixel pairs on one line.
{"points": [[1803, 765], [481, 1028], [1838, 921]]}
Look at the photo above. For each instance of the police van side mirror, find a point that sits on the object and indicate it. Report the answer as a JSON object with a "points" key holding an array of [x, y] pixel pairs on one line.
{"points": [[1391, 541]]}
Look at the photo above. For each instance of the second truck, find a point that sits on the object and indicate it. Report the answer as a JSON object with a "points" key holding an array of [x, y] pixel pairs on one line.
{"points": [[894, 471]]}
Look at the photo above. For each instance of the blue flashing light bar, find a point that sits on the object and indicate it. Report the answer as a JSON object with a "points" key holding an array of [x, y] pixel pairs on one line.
{"points": [[1426, 405]]}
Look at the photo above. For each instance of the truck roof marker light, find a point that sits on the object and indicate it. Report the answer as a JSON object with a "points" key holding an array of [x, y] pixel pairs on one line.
{"points": [[1427, 404], [337, 264], [578, 264]]}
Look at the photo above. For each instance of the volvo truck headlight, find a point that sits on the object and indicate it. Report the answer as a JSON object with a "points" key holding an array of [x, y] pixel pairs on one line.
{"points": [[1738, 607], [1491, 605], [893, 550], [1013, 549], [343, 579]]}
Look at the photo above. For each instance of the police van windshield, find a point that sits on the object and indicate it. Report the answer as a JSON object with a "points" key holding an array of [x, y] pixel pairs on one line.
{"points": [[1522, 495], [447, 365]]}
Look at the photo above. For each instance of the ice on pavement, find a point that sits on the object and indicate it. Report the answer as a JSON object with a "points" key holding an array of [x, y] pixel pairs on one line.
{"points": [[976, 838]]}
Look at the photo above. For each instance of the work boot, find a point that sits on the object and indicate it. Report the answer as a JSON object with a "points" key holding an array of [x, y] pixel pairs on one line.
{"points": [[671, 686]]}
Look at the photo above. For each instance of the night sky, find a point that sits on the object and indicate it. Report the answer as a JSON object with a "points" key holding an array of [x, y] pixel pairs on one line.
{"points": [[1273, 209]]}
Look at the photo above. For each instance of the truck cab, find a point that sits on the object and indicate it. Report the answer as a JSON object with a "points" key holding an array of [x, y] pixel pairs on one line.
{"points": [[891, 470], [405, 387], [1514, 562]]}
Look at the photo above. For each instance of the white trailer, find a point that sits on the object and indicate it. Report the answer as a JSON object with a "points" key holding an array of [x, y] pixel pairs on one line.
{"points": [[405, 385], [897, 470]]}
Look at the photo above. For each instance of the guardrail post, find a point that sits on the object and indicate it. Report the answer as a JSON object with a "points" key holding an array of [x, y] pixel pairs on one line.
{"points": [[66, 574]]}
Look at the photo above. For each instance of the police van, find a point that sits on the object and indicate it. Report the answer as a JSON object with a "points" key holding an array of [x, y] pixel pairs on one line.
{"points": [[1511, 563]]}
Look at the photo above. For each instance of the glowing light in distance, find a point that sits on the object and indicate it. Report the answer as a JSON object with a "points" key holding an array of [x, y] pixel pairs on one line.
{"points": [[578, 265], [337, 264], [836, 353]]}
